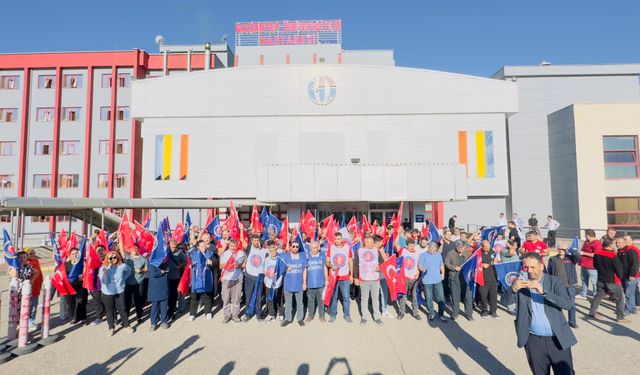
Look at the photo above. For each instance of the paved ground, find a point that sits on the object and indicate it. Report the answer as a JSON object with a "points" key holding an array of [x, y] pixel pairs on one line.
{"points": [[399, 347]]}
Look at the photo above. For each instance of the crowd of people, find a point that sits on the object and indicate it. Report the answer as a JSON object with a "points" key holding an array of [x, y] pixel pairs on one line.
{"points": [[241, 275]]}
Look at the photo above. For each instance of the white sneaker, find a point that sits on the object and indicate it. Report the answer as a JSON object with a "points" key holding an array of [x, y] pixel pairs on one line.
{"points": [[191, 318], [208, 316]]}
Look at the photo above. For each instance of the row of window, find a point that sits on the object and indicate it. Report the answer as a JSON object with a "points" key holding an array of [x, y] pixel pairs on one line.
{"points": [[39, 219], [68, 114], [66, 147], [70, 181], [69, 81]]}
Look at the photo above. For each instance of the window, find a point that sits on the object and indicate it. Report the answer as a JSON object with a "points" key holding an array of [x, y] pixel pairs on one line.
{"points": [[8, 114], [122, 146], [44, 114], [69, 147], [121, 180], [68, 181], [123, 113], [72, 81], [103, 147], [620, 157], [6, 148], [44, 147], [5, 218], [65, 219], [103, 180], [9, 83], [46, 82], [105, 113], [124, 80], [41, 181], [40, 219], [70, 114], [106, 81], [623, 212], [7, 180]]}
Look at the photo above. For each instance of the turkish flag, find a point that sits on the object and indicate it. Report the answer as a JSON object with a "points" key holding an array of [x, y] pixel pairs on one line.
{"points": [[63, 240], [390, 272], [396, 226], [60, 281], [185, 280], [71, 243], [284, 232], [102, 239], [330, 231], [91, 266], [366, 227], [255, 223], [479, 270], [352, 226], [331, 286], [424, 233], [232, 222], [143, 239], [178, 233], [126, 234], [308, 224]]}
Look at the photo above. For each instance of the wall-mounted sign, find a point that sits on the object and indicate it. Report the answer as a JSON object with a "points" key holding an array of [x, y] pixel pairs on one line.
{"points": [[419, 218], [278, 33], [322, 90]]}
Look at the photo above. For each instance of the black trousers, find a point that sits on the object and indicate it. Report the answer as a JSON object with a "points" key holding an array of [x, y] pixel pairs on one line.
{"points": [[195, 301], [545, 353], [135, 291], [551, 238], [276, 303], [77, 305], [173, 296], [112, 304], [489, 295], [97, 298]]}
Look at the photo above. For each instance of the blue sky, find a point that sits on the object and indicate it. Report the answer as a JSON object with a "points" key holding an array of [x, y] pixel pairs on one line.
{"points": [[465, 36]]}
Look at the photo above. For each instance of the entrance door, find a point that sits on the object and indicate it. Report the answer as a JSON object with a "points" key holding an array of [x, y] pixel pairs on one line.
{"points": [[379, 214]]}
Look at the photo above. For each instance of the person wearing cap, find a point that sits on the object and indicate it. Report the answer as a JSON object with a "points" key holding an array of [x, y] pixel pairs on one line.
{"points": [[459, 288], [563, 266]]}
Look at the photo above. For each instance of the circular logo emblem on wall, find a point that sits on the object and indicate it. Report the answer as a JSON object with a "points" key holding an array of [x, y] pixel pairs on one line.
{"points": [[322, 90]]}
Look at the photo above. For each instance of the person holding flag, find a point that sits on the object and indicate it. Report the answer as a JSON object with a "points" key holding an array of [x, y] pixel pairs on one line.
{"points": [[367, 274], [316, 280], [204, 260], [270, 282], [432, 268], [113, 279], [457, 285], [253, 268], [489, 289], [563, 266], [509, 254], [158, 290], [340, 259], [74, 266], [385, 293], [20, 268], [410, 259], [294, 283], [36, 286], [176, 263], [231, 262], [95, 288]]}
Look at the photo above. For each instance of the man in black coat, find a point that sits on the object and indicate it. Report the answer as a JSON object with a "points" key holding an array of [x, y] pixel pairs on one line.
{"points": [[541, 326]]}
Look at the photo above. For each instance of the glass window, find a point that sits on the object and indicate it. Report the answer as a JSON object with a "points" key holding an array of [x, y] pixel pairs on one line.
{"points": [[6, 148], [620, 157], [8, 114], [70, 114], [623, 212], [41, 181], [44, 114], [9, 83], [68, 181], [103, 147], [72, 81], [103, 180], [123, 113], [7, 180], [106, 81], [40, 219], [47, 82], [122, 146], [43, 147], [124, 80], [121, 180], [69, 147], [105, 113]]}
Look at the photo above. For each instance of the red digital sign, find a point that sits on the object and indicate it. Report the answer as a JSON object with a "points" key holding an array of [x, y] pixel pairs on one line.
{"points": [[272, 33]]}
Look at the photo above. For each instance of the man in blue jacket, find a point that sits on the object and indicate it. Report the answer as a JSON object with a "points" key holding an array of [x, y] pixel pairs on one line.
{"points": [[541, 326]]}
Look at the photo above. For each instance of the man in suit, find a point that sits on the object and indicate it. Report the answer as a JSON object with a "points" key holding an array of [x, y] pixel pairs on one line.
{"points": [[541, 326]]}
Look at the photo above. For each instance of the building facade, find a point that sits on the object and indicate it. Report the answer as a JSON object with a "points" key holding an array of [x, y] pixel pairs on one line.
{"points": [[595, 170]]}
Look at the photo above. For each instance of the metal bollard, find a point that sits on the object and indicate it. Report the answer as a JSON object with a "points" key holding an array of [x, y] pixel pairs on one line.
{"points": [[23, 334], [46, 314]]}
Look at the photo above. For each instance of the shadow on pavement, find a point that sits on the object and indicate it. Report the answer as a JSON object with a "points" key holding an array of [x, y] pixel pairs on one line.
{"points": [[460, 339], [170, 360], [617, 329], [117, 359], [451, 364]]}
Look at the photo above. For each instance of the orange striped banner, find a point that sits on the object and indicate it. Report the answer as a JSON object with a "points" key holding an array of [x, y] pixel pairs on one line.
{"points": [[184, 156], [462, 150]]}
